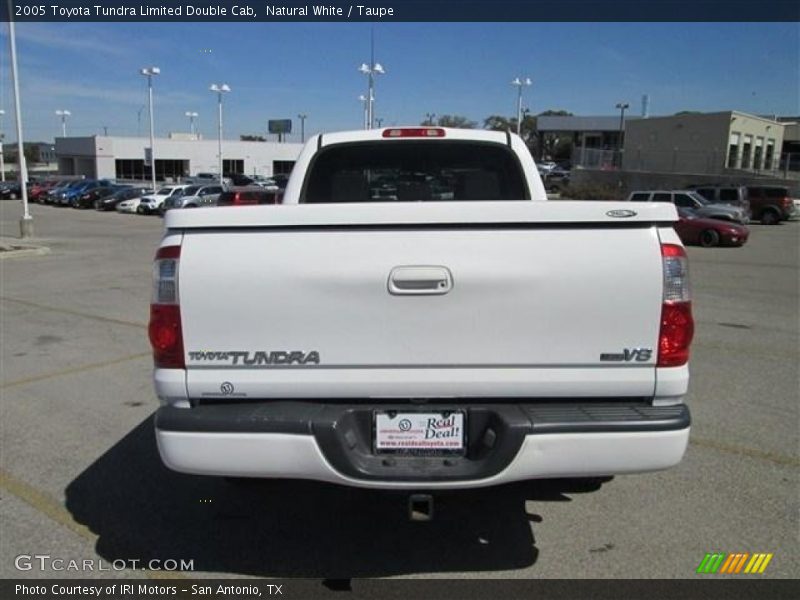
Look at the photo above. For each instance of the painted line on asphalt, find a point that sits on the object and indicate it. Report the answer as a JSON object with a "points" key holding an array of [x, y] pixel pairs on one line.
{"points": [[55, 511], [74, 313], [81, 369], [780, 459]]}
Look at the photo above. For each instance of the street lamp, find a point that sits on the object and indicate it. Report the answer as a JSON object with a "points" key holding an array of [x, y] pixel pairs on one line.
{"points": [[149, 72], [2, 160], [520, 83], [302, 118], [220, 89], [26, 223], [429, 118], [370, 71], [192, 116], [363, 100], [621, 106], [63, 114]]}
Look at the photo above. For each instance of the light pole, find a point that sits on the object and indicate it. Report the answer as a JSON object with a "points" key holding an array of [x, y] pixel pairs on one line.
{"points": [[520, 83], [192, 116], [370, 71], [429, 118], [363, 100], [621, 106], [149, 72], [302, 118], [379, 122], [2, 160], [63, 114], [220, 89], [26, 223]]}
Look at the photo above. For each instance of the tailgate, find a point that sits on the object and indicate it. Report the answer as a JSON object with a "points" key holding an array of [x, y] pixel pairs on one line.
{"points": [[433, 301]]}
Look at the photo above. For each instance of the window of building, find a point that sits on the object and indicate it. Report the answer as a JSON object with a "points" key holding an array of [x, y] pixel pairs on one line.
{"points": [[733, 150], [232, 166], [282, 167], [769, 155], [172, 170], [747, 149], [758, 153]]}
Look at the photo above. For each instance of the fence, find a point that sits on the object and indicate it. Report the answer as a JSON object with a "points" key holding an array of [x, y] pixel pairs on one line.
{"points": [[786, 166]]}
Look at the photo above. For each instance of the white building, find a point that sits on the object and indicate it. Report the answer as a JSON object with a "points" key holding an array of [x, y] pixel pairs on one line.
{"points": [[105, 157]]}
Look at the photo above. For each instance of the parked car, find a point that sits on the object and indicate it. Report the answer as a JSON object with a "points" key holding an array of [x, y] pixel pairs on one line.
{"points": [[557, 179], [90, 197], [239, 180], [281, 180], [770, 204], [734, 195], [690, 199], [696, 230], [55, 194], [151, 203], [69, 196], [193, 197], [248, 196], [10, 190], [129, 193]]}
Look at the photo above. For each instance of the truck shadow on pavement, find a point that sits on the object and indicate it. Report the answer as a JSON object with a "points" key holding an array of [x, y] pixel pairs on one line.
{"points": [[280, 528]]}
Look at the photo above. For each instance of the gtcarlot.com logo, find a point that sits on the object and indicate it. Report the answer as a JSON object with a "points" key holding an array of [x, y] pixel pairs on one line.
{"points": [[719, 563], [46, 562]]}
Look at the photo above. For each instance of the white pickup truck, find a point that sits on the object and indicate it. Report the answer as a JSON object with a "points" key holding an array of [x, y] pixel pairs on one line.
{"points": [[417, 315]]}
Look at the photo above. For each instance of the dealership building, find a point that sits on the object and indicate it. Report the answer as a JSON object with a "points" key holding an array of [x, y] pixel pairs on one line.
{"points": [[180, 155]]}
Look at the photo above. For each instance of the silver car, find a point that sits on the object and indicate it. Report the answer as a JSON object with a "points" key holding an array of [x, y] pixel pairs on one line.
{"points": [[693, 200], [194, 196]]}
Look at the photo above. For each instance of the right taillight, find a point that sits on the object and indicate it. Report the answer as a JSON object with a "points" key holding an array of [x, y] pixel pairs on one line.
{"points": [[164, 329], [677, 326]]}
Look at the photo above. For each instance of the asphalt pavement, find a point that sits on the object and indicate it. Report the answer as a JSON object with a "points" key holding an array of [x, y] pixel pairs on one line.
{"points": [[80, 477]]}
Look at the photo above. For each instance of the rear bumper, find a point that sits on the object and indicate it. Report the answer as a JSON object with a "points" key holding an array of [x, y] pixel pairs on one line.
{"points": [[505, 443]]}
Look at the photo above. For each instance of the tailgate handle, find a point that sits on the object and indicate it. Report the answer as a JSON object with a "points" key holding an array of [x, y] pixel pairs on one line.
{"points": [[410, 281]]}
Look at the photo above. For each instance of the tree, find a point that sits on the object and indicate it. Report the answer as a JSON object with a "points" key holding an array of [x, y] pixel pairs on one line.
{"points": [[252, 138], [539, 143], [455, 121]]}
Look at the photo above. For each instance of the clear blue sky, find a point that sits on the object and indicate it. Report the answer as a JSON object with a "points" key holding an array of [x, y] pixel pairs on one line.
{"points": [[279, 70]]}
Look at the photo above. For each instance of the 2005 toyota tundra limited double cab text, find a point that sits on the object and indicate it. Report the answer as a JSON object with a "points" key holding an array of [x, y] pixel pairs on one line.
{"points": [[417, 315]]}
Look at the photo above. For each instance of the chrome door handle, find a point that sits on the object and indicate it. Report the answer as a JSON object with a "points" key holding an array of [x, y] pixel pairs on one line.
{"points": [[420, 280]]}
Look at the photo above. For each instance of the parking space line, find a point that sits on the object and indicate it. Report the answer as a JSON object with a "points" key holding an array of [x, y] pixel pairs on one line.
{"points": [[45, 504], [80, 369], [774, 457], [75, 313]]}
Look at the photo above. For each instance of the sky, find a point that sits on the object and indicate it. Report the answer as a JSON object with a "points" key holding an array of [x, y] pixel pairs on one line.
{"points": [[277, 71]]}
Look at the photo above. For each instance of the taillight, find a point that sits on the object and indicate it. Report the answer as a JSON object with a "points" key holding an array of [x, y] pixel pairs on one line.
{"points": [[787, 202], [677, 325], [164, 330], [423, 132]]}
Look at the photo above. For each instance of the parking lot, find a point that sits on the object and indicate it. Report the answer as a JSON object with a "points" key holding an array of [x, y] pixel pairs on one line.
{"points": [[80, 476]]}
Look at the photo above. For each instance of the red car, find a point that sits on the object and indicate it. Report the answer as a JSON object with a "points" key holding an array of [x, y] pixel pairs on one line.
{"points": [[696, 230]]}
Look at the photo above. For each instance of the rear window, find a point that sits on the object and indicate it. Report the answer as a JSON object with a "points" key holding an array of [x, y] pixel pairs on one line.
{"points": [[640, 197], [414, 171]]}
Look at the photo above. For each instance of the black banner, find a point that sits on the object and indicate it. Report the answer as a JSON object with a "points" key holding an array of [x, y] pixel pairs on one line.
{"points": [[401, 10], [402, 589]]}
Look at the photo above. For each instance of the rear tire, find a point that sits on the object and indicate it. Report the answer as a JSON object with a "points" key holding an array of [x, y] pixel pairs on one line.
{"points": [[709, 238], [770, 217]]}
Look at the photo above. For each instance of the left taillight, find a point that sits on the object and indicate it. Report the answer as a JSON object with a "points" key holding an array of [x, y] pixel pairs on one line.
{"points": [[677, 324], [164, 329]]}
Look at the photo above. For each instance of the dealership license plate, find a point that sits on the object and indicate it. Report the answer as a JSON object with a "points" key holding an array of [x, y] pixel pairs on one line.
{"points": [[419, 432]]}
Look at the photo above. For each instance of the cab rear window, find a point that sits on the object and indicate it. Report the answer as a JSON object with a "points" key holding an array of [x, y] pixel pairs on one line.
{"points": [[414, 171]]}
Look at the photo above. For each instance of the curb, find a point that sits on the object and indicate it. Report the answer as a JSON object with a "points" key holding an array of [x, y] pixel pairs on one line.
{"points": [[16, 250]]}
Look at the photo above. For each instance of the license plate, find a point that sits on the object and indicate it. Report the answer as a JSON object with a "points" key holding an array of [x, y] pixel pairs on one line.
{"points": [[419, 432]]}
